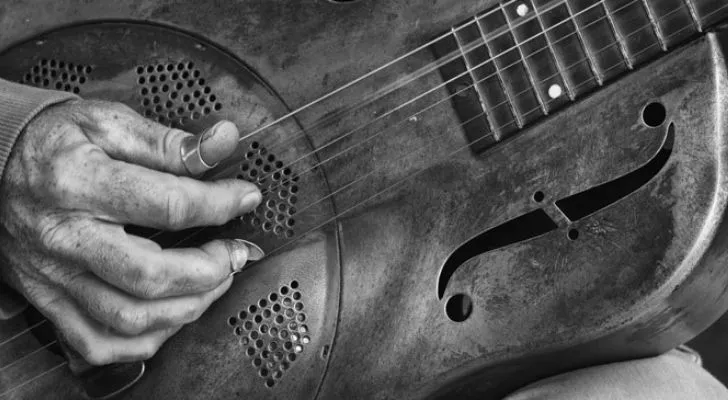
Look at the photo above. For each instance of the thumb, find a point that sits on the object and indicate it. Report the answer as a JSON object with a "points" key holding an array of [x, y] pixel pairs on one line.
{"points": [[127, 136], [235, 253], [219, 142]]}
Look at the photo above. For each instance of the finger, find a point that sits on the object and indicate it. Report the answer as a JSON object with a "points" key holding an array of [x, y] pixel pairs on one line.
{"points": [[131, 194], [127, 136], [93, 341], [219, 142], [141, 268], [132, 316]]}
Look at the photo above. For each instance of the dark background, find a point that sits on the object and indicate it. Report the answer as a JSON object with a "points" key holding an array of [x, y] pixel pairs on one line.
{"points": [[713, 347]]}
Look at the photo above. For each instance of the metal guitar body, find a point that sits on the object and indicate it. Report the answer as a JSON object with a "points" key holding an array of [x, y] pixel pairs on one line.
{"points": [[593, 235]]}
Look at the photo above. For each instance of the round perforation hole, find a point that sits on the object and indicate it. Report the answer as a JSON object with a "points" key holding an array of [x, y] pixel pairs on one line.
{"points": [[276, 183], [174, 78], [58, 75], [274, 345]]}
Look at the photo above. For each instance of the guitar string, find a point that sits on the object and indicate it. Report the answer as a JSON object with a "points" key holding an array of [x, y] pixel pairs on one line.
{"points": [[471, 46], [482, 113], [27, 381], [440, 86], [39, 376], [474, 45], [576, 63], [506, 102], [391, 186], [410, 53], [30, 354], [452, 56], [470, 120], [17, 335]]}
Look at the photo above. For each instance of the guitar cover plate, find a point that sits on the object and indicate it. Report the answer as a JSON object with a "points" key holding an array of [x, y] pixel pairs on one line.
{"points": [[273, 330]]}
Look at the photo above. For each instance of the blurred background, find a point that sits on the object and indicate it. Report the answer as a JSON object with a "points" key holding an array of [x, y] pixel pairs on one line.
{"points": [[713, 347]]}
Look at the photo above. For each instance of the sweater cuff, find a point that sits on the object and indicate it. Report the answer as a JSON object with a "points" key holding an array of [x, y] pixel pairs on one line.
{"points": [[18, 105]]}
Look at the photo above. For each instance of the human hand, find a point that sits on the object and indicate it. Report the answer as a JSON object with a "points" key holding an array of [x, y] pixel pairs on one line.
{"points": [[79, 173]]}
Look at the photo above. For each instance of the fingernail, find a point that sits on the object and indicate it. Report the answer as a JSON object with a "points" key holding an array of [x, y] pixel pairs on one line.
{"points": [[213, 130], [255, 253], [251, 200], [238, 258], [245, 252]]}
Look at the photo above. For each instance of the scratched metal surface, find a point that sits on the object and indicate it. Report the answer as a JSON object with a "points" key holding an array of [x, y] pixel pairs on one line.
{"points": [[644, 275]]}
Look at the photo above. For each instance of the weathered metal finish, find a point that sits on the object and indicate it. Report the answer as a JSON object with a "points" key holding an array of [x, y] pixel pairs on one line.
{"points": [[644, 275]]}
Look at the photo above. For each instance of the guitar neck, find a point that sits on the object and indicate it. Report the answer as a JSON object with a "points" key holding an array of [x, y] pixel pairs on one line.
{"points": [[706, 13], [525, 59]]}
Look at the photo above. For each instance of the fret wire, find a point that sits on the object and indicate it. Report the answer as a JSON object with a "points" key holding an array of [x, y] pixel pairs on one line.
{"points": [[413, 174], [492, 75], [587, 50], [656, 26], [351, 83], [280, 247], [416, 75], [620, 40], [506, 90], [569, 90], [529, 72], [498, 75], [694, 14], [481, 96], [501, 104], [469, 47], [503, 30]]}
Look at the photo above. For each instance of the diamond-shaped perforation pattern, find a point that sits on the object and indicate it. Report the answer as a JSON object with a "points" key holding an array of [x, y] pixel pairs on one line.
{"points": [[57, 75], [175, 93], [273, 332], [279, 187]]}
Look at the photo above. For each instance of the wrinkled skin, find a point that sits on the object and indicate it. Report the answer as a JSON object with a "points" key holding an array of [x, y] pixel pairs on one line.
{"points": [[79, 173]]}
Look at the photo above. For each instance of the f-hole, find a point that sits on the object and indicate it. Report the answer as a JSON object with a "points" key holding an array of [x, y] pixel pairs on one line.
{"points": [[580, 205], [575, 207], [525, 227]]}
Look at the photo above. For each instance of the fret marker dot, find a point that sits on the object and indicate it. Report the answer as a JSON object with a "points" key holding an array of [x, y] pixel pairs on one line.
{"points": [[555, 91], [522, 10]]}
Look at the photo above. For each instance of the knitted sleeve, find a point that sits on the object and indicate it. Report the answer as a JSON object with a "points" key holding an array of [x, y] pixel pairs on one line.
{"points": [[18, 105]]}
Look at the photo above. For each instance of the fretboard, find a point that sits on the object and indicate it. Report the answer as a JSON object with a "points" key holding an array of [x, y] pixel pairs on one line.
{"points": [[525, 59]]}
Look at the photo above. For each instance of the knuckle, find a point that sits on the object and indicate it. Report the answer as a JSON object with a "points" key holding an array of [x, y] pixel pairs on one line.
{"points": [[59, 178], [53, 234], [146, 280], [68, 173], [165, 145], [178, 209], [131, 320], [150, 289], [95, 354]]}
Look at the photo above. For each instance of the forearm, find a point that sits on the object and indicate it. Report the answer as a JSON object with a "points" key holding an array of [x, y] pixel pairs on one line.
{"points": [[18, 105]]}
